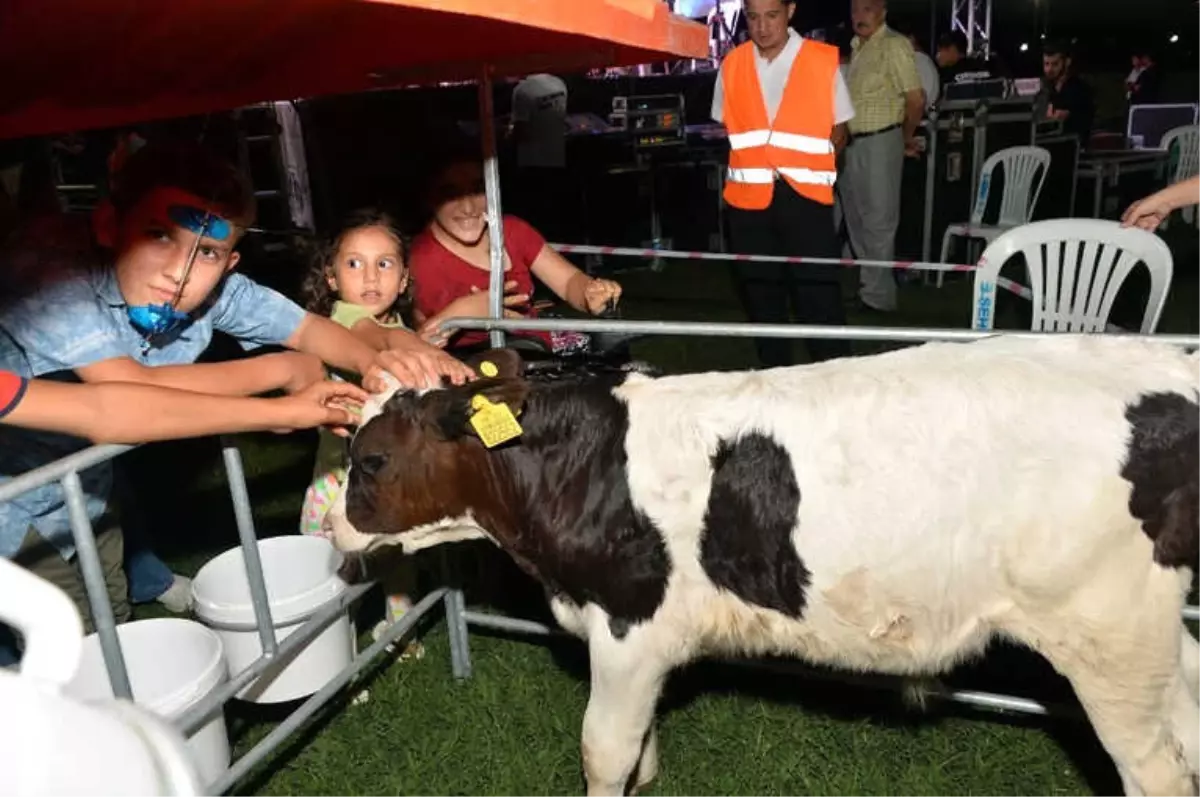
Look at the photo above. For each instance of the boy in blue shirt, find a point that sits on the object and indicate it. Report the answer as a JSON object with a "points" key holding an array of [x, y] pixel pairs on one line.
{"points": [[171, 225]]}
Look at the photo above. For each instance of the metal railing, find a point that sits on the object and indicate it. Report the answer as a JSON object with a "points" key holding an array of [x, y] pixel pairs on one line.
{"points": [[66, 472]]}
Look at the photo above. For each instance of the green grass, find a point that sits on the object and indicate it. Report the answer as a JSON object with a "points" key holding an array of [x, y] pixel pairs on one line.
{"points": [[514, 727]]}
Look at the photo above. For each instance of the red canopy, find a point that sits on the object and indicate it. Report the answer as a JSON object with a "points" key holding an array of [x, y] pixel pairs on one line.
{"points": [[79, 64]]}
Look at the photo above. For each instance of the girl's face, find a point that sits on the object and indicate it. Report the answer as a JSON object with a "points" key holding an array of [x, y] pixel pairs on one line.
{"points": [[368, 269], [460, 204]]}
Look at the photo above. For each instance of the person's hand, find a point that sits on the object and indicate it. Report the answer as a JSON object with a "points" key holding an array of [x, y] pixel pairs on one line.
{"points": [[912, 147], [1147, 213], [416, 365], [600, 295], [297, 370], [336, 405], [473, 305], [477, 302]]}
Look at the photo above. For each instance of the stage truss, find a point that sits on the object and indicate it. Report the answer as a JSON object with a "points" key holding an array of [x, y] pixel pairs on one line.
{"points": [[974, 19]]}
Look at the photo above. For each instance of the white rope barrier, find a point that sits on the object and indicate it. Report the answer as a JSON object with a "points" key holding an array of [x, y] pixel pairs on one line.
{"points": [[844, 262]]}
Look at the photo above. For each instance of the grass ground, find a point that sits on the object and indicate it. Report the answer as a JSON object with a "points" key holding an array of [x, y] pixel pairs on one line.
{"points": [[514, 727]]}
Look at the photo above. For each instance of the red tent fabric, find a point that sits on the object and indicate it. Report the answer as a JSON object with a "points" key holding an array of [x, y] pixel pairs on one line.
{"points": [[79, 64]]}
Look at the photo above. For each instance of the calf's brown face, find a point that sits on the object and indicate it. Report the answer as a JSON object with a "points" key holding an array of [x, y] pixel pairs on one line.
{"points": [[420, 461]]}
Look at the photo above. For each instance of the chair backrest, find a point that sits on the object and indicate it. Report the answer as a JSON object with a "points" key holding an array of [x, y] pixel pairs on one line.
{"points": [[1025, 170], [1188, 139], [1075, 268]]}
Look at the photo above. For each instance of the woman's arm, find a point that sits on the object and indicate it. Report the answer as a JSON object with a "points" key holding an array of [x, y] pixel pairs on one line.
{"points": [[576, 288], [1150, 211], [118, 412]]}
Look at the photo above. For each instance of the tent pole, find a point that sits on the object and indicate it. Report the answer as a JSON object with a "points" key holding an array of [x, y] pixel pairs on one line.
{"points": [[491, 182]]}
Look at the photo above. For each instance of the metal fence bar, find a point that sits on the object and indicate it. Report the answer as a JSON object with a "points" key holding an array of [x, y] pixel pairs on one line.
{"points": [[204, 710], [970, 697], [244, 516], [501, 622], [322, 696], [456, 627], [97, 590], [747, 330], [495, 215], [1191, 612], [55, 471], [676, 254]]}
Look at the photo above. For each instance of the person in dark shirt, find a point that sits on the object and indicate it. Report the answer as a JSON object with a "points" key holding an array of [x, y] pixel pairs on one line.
{"points": [[1143, 84], [1066, 97], [953, 61]]}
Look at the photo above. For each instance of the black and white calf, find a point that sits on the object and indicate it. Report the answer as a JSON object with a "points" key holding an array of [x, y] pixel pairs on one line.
{"points": [[889, 514]]}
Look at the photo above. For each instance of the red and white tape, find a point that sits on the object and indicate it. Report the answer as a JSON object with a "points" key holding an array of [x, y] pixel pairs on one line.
{"points": [[846, 262]]}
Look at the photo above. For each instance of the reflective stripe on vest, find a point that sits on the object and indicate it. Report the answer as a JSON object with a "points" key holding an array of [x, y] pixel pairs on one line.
{"points": [[767, 176], [810, 145]]}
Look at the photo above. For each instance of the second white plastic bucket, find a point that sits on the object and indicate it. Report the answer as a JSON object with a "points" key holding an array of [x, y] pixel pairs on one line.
{"points": [[172, 664], [301, 575]]}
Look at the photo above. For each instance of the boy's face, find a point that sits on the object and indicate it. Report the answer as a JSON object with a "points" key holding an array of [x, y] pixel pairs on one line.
{"points": [[153, 240]]}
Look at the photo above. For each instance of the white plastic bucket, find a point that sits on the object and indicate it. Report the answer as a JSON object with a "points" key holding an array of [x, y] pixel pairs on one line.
{"points": [[301, 575], [53, 743], [172, 664]]}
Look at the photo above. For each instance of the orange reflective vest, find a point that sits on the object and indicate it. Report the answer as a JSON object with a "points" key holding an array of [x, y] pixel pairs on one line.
{"points": [[797, 146]]}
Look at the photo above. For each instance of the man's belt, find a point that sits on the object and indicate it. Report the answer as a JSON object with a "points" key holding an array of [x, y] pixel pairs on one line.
{"points": [[856, 136]]}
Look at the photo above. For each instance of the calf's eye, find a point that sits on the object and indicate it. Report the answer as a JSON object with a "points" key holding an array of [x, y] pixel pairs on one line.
{"points": [[371, 464]]}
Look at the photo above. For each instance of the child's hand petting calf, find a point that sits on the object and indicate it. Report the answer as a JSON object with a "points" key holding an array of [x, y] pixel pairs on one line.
{"points": [[336, 405], [419, 365]]}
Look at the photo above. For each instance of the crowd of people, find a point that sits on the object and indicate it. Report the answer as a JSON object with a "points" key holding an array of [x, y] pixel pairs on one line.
{"points": [[153, 275], [103, 341]]}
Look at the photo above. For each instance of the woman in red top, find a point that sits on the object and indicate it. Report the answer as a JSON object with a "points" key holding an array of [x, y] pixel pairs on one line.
{"points": [[450, 262]]}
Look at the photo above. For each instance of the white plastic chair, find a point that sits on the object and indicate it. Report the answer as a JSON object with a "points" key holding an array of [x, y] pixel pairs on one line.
{"points": [[1188, 140], [1076, 268], [1025, 170]]}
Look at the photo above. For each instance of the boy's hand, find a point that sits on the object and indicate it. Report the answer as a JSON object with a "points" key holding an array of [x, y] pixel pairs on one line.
{"points": [[418, 365], [337, 405], [601, 294]]}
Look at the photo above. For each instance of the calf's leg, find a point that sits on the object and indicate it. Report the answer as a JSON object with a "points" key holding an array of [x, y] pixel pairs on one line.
{"points": [[626, 682], [1123, 660], [1189, 658], [1185, 722], [647, 768]]}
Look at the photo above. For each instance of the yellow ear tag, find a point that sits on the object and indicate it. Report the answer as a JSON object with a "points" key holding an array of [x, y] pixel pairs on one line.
{"points": [[488, 368], [494, 423]]}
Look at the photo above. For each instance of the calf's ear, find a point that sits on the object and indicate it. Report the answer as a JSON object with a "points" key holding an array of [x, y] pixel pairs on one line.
{"points": [[448, 412], [501, 363]]}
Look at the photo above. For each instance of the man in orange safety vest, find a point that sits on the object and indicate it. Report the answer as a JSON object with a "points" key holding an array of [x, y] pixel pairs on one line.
{"points": [[784, 105]]}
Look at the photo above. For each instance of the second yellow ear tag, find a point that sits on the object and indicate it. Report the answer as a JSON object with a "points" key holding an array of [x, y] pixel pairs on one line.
{"points": [[488, 368], [494, 423]]}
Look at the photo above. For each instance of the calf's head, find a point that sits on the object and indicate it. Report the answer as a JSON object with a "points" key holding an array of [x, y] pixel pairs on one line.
{"points": [[419, 474]]}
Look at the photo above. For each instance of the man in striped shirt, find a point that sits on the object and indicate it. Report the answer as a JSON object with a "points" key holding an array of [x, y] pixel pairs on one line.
{"points": [[888, 103]]}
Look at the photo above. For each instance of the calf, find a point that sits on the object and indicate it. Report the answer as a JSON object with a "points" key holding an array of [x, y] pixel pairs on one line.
{"points": [[889, 513]]}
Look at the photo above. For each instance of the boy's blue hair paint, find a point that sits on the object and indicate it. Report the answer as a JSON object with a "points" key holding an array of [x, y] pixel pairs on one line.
{"points": [[200, 221]]}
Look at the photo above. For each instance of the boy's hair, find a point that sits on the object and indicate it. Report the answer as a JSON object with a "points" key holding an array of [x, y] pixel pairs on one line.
{"points": [[318, 296], [188, 166]]}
